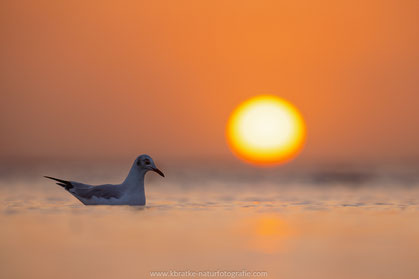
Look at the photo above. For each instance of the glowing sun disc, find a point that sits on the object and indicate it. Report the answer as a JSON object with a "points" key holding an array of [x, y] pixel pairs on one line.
{"points": [[266, 130]]}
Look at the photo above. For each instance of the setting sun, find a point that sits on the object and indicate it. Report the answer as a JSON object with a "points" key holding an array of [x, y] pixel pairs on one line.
{"points": [[266, 130]]}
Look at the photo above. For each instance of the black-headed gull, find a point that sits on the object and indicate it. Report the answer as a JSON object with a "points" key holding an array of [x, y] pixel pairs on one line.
{"points": [[130, 192]]}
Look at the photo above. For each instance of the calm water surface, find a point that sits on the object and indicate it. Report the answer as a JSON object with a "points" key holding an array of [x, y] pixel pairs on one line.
{"points": [[317, 229]]}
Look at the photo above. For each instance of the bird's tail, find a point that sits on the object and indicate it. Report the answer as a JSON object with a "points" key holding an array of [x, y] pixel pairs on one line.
{"points": [[63, 183]]}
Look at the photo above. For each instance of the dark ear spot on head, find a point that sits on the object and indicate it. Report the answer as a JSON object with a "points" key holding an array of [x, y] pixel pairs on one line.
{"points": [[138, 162]]}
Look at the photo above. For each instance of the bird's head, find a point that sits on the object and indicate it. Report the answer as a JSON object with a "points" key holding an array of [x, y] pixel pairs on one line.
{"points": [[145, 162]]}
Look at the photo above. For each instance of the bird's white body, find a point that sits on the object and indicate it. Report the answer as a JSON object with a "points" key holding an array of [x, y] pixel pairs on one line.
{"points": [[129, 192]]}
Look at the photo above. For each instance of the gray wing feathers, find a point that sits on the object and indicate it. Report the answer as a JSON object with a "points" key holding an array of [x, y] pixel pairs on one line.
{"points": [[104, 192]]}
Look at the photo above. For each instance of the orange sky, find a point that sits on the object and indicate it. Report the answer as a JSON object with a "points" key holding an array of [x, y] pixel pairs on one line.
{"points": [[118, 78]]}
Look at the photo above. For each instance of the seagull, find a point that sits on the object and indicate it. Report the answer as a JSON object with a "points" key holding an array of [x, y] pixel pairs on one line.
{"points": [[129, 192]]}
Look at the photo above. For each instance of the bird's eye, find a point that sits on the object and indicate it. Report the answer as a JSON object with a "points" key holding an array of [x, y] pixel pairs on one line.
{"points": [[147, 162]]}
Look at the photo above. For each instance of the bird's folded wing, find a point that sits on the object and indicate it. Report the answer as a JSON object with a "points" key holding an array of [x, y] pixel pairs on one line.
{"points": [[104, 192], [84, 191]]}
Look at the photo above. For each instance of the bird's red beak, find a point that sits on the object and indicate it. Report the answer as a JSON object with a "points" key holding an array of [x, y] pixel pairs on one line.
{"points": [[158, 171]]}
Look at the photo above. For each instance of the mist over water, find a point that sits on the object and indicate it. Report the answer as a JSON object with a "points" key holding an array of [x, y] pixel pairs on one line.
{"points": [[313, 222]]}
